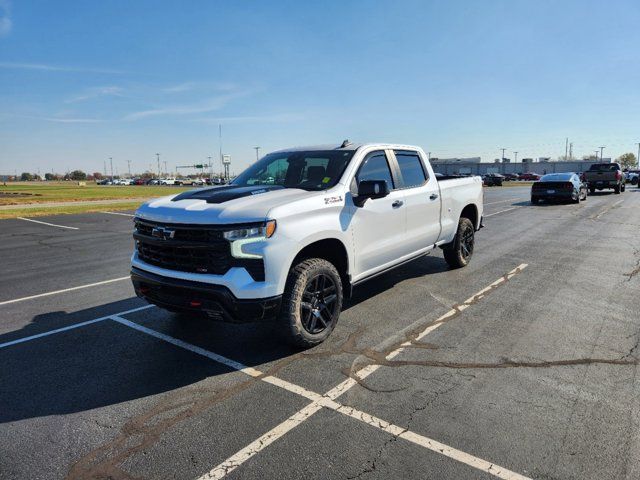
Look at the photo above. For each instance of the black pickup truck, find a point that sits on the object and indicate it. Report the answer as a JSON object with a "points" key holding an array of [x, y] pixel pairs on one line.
{"points": [[605, 175]]}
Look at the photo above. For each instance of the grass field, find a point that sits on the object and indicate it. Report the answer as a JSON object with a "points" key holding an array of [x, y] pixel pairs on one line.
{"points": [[67, 209], [68, 197], [21, 193]]}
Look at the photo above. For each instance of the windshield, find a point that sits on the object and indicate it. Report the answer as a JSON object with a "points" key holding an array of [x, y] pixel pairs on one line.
{"points": [[308, 170]]}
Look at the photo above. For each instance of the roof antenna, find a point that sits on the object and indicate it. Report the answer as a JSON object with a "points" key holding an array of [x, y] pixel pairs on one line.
{"points": [[345, 143]]}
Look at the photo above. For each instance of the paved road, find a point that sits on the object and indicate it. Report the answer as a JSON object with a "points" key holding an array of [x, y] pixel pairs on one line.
{"points": [[535, 376]]}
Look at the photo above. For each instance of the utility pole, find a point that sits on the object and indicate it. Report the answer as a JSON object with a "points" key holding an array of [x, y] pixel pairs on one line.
{"points": [[129, 167], [210, 168], [566, 147], [166, 172], [105, 167], [111, 162], [257, 153], [220, 141], [638, 157], [158, 159], [571, 151], [601, 149]]}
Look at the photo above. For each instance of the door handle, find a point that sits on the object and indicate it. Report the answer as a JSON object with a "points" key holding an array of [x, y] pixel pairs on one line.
{"points": [[397, 204], [433, 196]]}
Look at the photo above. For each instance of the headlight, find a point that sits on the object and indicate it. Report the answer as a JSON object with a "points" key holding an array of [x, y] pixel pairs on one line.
{"points": [[262, 231], [244, 236]]}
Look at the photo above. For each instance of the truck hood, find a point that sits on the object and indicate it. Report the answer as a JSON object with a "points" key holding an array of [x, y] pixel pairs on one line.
{"points": [[219, 205]]}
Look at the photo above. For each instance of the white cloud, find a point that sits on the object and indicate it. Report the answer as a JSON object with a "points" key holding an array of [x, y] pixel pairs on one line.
{"points": [[189, 86], [96, 92], [55, 68], [275, 118], [5, 18], [209, 105]]}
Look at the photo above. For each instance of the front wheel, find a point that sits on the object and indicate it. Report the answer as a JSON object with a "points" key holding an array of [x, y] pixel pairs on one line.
{"points": [[311, 302], [458, 253]]}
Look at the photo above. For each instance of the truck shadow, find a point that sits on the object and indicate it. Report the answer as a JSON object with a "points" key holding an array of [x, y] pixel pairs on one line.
{"points": [[106, 363]]}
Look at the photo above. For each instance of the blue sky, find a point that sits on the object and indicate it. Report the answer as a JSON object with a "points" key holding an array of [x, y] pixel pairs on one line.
{"points": [[84, 81]]}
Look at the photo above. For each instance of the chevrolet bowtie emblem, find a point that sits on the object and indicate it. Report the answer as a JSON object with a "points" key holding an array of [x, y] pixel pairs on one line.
{"points": [[163, 233]]}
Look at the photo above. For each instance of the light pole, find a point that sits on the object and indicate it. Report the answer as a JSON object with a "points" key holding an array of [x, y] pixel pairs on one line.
{"points": [[596, 155], [638, 158], [257, 153], [111, 163], [166, 172], [158, 160], [210, 168], [601, 149], [129, 167]]}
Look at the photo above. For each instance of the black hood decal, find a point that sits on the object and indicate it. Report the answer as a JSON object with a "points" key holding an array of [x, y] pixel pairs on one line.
{"points": [[226, 193]]}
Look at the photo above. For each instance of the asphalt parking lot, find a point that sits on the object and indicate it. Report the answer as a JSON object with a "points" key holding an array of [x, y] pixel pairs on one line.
{"points": [[522, 365]]}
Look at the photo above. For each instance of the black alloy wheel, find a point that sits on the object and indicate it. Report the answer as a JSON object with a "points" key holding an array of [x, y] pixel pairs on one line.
{"points": [[466, 241], [318, 308]]}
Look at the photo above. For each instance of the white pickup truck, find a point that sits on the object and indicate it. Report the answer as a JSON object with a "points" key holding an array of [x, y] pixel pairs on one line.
{"points": [[293, 234]]}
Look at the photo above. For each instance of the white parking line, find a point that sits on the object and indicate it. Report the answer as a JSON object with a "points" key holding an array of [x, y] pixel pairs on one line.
{"points": [[501, 211], [68, 327], [45, 223], [64, 290], [507, 200], [120, 213], [328, 399]]}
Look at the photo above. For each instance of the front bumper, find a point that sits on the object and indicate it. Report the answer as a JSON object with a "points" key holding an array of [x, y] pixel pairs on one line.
{"points": [[216, 301]]}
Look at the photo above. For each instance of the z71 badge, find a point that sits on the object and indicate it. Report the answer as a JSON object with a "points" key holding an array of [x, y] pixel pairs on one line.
{"points": [[329, 200]]}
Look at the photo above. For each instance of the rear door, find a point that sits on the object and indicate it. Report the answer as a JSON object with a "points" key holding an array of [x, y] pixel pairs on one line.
{"points": [[379, 225], [421, 200]]}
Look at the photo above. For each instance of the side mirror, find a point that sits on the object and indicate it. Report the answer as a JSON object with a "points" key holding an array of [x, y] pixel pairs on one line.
{"points": [[371, 189]]}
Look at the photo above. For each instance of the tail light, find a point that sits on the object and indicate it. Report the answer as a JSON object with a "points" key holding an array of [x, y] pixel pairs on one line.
{"points": [[568, 186], [618, 175]]}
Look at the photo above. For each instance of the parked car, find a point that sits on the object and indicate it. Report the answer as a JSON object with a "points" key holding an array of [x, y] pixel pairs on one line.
{"points": [[510, 176], [169, 181], [530, 176], [153, 181], [293, 250], [632, 176], [605, 175], [493, 179], [559, 187], [139, 181]]}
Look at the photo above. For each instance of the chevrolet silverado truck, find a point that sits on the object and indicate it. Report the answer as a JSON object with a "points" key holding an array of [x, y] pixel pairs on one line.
{"points": [[605, 175], [293, 235]]}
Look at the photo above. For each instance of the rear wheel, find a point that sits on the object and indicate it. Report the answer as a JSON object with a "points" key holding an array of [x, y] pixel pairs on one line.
{"points": [[458, 253], [535, 200], [616, 189], [592, 190], [311, 302]]}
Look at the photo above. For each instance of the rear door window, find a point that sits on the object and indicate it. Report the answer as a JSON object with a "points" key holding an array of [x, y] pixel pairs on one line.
{"points": [[411, 168]]}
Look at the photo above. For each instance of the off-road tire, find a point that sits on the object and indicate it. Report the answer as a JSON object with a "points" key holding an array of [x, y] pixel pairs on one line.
{"points": [[290, 319], [454, 253]]}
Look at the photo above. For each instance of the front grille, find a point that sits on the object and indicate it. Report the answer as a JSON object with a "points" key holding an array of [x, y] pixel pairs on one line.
{"points": [[194, 249]]}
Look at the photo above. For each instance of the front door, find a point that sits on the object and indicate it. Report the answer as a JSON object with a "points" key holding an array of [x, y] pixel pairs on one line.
{"points": [[379, 225]]}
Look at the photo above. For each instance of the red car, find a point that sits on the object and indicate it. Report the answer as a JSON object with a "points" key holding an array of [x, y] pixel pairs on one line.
{"points": [[530, 177]]}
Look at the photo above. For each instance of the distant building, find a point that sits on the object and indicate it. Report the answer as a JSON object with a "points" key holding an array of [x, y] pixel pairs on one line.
{"points": [[543, 166]]}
